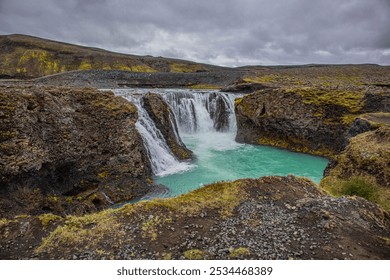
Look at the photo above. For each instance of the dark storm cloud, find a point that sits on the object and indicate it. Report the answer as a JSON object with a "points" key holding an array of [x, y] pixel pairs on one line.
{"points": [[230, 32]]}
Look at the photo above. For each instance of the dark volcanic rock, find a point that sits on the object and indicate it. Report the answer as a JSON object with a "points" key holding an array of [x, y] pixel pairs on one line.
{"points": [[120, 79], [219, 112], [68, 151], [162, 116], [244, 87], [311, 120], [266, 218], [280, 118]]}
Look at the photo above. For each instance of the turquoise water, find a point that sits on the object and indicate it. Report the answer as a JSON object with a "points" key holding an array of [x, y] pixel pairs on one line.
{"points": [[220, 158]]}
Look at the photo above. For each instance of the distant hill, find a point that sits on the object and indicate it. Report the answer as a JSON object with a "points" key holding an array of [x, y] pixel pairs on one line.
{"points": [[23, 56]]}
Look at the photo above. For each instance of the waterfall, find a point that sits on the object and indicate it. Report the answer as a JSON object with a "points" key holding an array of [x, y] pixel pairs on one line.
{"points": [[160, 155], [202, 111], [205, 114]]}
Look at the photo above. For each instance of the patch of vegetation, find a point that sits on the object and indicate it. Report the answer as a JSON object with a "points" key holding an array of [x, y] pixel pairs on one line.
{"points": [[4, 222], [351, 101], [239, 253], [185, 68], [262, 79], [360, 187], [149, 227], [223, 196], [204, 86], [47, 219], [87, 231], [115, 106], [194, 254], [295, 144]]}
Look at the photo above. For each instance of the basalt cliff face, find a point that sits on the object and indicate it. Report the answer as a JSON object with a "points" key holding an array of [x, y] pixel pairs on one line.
{"points": [[266, 218], [68, 151], [312, 120]]}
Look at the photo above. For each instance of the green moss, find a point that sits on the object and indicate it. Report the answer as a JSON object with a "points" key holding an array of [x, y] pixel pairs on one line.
{"points": [[238, 101], [204, 86], [262, 79], [142, 68], [149, 227], [167, 256], [104, 174], [239, 253], [88, 230], [47, 219], [4, 222], [297, 145], [85, 65], [115, 106], [360, 187], [185, 68], [223, 196], [37, 61], [352, 101], [194, 254]]}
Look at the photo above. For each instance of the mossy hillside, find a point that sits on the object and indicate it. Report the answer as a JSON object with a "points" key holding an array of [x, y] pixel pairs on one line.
{"points": [[27, 56], [336, 77], [349, 103], [150, 217], [186, 68], [363, 168]]}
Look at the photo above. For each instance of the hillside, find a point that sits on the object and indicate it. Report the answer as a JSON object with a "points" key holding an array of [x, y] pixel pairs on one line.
{"points": [[23, 56]]}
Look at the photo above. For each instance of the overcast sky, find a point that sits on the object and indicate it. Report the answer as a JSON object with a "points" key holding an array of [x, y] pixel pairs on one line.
{"points": [[223, 32]]}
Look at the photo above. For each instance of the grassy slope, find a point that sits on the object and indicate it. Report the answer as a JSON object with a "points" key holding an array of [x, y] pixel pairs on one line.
{"points": [[25, 56]]}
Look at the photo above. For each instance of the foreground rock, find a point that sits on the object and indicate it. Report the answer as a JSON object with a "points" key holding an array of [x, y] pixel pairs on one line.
{"points": [[312, 120], [363, 167], [68, 151], [162, 116], [267, 218]]}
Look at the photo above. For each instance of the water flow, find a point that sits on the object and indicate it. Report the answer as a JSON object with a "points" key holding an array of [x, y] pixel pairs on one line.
{"points": [[207, 125], [160, 155]]}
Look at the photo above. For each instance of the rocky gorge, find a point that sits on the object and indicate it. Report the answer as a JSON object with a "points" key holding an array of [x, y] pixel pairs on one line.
{"points": [[69, 153]]}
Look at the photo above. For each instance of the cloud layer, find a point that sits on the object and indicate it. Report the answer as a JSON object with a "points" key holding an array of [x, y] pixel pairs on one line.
{"points": [[224, 32]]}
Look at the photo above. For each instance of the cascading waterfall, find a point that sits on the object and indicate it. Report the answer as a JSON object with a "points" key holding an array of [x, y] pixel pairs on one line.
{"points": [[160, 155], [199, 112], [205, 114], [206, 124]]}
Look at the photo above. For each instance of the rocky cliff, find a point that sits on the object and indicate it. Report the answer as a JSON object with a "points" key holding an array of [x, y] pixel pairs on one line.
{"points": [[306, 119], [164, 120], [266, 218], [68, 151], [363, 168]]}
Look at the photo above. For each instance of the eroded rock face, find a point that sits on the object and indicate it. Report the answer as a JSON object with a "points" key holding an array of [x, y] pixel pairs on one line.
{"points": [[162, 116], [367, 156], [280, 118], [311, 120], [68, 151], [266, 218]]}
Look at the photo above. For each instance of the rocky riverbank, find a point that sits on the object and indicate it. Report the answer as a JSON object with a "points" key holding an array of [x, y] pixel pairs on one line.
{"points": [[267, 218], [68, 151]]}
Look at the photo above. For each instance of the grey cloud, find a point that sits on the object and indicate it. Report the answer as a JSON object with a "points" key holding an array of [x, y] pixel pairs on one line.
{"points": [[230, 32]]}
